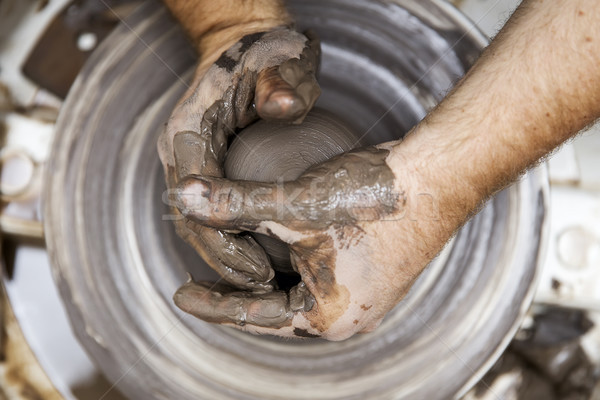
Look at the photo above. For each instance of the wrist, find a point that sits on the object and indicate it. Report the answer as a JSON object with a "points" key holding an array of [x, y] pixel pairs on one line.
{"points": [[211, 45], [438, 201], [214, 26]]}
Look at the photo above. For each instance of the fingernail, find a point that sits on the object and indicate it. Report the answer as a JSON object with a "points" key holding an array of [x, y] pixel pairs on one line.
{"points": [[190, 279], [288, 107], [186, 297]]}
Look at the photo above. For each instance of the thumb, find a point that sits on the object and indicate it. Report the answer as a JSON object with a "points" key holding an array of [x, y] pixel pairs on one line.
{"points": [[240, 205]]}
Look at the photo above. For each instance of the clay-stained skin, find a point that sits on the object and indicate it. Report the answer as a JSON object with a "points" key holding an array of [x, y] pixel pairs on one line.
{"points": [[324, 207], [355, 187], [315, 260], [348, 235], [360, 188], [238, 258], [275, 152], [299, 332], [225, 305], [221, 99], [328, 213], [274, 98]]}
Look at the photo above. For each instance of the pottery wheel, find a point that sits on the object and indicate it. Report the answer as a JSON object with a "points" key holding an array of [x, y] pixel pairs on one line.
{"points": [[117, 260]]}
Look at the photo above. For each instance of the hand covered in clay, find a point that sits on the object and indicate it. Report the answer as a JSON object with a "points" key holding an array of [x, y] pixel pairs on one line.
{"points": [[344, 221], [270, 75]]}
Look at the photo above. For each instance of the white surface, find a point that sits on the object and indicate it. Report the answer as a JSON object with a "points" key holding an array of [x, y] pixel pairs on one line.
{"points": [[573, 258], [489, 15], [29, 135], [87, 41], [563, 166], [39, 310], [16, 46], [587, 151]]}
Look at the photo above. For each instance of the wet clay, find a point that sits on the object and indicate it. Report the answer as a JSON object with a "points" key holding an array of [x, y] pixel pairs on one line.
{"points": [[223, 304], [315, 259], [197, 134], [271, 152], [355, 187], [240, 308], [297, 85]]}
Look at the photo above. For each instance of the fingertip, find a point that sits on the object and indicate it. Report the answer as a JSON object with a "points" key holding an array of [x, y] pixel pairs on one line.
{"points": [[310, 91], [177, 298], [194, 185], [283, 107], [188, 296], [281, 93], [189, 278], [227, 305], [192, 194]]}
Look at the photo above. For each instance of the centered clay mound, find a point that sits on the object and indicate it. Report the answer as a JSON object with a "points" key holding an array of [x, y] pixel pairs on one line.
{"points": [[278, 152], [270, 152]]}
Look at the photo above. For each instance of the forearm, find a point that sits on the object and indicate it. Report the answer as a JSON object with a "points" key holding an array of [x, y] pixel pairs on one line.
{"points": [[536, 86], [214, 26]]}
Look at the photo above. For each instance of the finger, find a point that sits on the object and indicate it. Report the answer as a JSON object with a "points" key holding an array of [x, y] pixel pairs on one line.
{"points": [[333, 192], [203, 152], [286, 92], [235, 205], [224, 305], [238, 259], [243, 104], [189, 150]]}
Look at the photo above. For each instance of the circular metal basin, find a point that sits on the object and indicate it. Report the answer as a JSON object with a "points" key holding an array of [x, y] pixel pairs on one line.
{"points": [[117, 260]]}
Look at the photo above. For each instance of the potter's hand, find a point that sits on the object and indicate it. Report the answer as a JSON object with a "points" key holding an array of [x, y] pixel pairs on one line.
{"points": [[343, 223], [355, 252], [267, 74]]}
